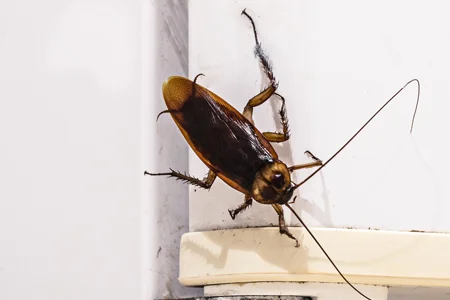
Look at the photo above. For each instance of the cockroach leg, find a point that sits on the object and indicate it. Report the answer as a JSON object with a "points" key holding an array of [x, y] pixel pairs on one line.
{"points": [[275, 137], [307, 152], [313, 164], [267, 93], [267, 67], [253, 24], [260, 99], [259, 53], [247, 202], [279, 137], [293, 201], [206, 183], [257, 100], [209, 179], [282, 223], [316, 163]]}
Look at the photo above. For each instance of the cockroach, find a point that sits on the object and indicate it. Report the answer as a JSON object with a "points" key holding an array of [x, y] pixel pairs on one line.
{"points": [[234, 150]]}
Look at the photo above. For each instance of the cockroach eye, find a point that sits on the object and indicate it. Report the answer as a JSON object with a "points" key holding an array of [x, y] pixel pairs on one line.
{"points": [[278, 180]]}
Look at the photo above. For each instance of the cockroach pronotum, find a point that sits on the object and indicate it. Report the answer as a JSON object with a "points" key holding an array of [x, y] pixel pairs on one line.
{"points": [[234, 150]]}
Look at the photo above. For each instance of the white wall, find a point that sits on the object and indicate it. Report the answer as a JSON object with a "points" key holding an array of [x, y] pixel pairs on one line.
{"points": [[79, 90]]}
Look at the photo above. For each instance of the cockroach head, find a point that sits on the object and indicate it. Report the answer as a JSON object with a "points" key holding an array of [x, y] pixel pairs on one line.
{"points": [[272, 184]]}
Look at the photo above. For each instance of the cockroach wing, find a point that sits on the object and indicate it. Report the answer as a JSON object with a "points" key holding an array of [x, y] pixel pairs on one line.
{"points": [[222, 137]]}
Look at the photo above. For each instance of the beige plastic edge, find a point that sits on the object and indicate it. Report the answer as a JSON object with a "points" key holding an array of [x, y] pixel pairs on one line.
{"points": [[364, 256]]}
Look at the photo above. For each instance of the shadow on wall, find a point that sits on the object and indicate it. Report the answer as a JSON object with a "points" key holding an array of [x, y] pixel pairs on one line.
{"points": [[171, 151]]}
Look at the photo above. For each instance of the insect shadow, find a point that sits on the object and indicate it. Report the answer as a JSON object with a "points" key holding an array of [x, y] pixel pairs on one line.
{"points": [[284, 150]]}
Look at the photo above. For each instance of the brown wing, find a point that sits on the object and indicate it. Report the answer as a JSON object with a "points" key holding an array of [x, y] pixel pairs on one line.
{"points": [[221, 136]]}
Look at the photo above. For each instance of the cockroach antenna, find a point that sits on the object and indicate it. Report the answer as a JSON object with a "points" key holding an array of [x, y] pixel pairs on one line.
{"points": [[365, 124], [332, 157], [325, 252]]}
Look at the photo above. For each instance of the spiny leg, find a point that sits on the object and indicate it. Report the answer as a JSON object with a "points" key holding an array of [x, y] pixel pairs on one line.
{"points": [[282, 223], [292, 201], [268, 92], [307, 152], [247, 202], [279, 137], [206, 183], [259, 53], [258, 100], [267, 67], [316, 163], [305, 166]]}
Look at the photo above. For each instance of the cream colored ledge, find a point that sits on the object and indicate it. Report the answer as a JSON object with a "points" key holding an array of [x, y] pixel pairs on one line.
{"points": [[364, 256]]}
